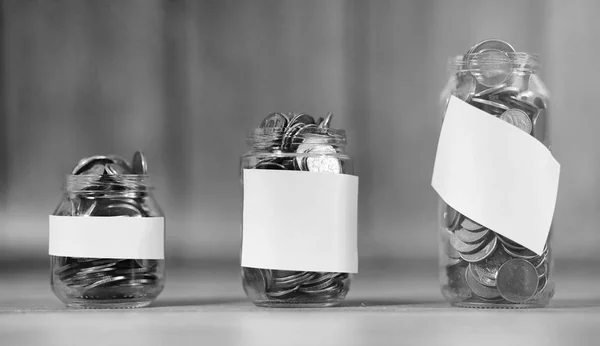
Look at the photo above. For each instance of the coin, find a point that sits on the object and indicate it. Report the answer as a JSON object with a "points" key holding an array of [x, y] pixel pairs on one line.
{"points": [[450, 217], [321, 160], [492, 90], [524, 254], [492, 43], [517, 118], [480, 290], [490, 103], [465, 88], [87, 163], [465, 248], [472, 237], [482, 254], [139, 164], [274, 120], [482, 276], [471, 225], [302, 118], [517, 280], [326, 123], [491, 67]]}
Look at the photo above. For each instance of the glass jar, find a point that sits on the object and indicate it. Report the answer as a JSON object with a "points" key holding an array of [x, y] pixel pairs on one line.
{"points": [[478, 267], [107, 240], [297, 147]]}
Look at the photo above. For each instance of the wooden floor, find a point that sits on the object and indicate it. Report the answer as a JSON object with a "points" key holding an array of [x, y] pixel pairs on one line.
{"points": [[389, 303]]}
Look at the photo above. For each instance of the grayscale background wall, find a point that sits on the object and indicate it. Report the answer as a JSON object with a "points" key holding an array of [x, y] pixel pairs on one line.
{"points": [[184, 81]]}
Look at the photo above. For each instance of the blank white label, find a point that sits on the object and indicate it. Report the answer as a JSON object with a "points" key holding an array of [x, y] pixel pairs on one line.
{"points": [[107, 237], [303, 221], [496, 174]]}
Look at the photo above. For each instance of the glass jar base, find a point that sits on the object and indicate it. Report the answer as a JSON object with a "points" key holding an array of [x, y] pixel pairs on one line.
{"points": [[297, 304], [107, 304], [477, 305]]}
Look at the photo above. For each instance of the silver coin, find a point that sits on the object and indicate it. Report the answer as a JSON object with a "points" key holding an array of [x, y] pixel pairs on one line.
{"points": [[509, 243], [490, 103], [326, 122], [523, 254], [450, 218], [478, 289], [517, 280], [119, 209], [255, 278], [463, 247], [472, 237], [87, 163], [282, 293], [491, 43], [274, 120], [139, 164], [482, 254], [471, 225], [492, 90], [106, 281], [517, 118], [481, 275], [465, 87], [491, 67], [114, 169], [302, 118], [320, 160]]}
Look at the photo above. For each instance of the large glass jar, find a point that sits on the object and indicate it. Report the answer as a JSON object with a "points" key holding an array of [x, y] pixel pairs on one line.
{"points": [[298, 142], [107, 214], [478, 267]]}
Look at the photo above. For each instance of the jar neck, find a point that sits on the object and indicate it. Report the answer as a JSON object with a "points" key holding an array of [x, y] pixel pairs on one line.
{"points": [[520, 62], [108, 184], [289, 140]]}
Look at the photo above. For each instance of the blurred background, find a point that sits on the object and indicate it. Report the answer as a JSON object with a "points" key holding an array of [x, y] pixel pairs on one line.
{"points": [[185, 80]]}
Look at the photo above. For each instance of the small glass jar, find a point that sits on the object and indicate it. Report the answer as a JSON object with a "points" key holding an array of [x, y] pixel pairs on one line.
{"points": [[478, 267], [105, 282], [296, 142]]}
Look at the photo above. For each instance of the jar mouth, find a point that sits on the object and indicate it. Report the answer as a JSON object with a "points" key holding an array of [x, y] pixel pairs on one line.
{"points": [[98, 182], [289, 137], [518, 61]]}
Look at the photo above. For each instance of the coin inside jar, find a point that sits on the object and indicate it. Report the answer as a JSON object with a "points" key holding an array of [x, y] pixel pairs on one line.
{"points": [[491, 67], [517, 280], [518, 118]]}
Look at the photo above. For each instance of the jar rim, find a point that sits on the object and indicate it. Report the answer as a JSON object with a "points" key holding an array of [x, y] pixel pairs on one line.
{"points": [[520, 61], [303, 133], [129, 182]]}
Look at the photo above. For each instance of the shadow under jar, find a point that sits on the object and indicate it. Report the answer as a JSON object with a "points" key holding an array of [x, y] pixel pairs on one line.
{"points": [[296, 142], [479, 267], [105, 282]]}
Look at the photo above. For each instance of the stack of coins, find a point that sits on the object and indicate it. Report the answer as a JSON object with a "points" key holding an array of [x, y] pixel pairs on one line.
{"points": [[301, 143], [295, 285], [106, 193], [483, 266]]}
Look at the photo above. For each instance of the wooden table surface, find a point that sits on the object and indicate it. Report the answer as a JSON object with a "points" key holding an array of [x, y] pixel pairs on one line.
{"points": [[390, 302]]}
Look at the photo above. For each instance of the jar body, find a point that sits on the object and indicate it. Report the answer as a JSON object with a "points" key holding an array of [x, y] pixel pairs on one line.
{"points": [[474, 260], [92, 282], [271, 287]]}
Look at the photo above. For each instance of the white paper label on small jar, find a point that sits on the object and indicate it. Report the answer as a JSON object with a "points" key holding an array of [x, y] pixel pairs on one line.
{"points": [[304, 221], [107, 237], [497, 175]]}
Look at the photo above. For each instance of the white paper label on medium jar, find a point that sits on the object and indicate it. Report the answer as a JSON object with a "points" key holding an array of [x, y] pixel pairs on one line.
{"points": [[304, 221], [495, 174], [107, 237]]}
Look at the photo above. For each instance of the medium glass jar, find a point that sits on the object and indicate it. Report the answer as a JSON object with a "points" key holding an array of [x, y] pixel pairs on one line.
{"points": [[478, 267], [297, 143], [106, 215]]}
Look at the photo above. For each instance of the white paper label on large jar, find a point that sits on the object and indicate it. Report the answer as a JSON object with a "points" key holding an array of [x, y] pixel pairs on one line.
{"points": [[303, 221], [107, 237], [496, 174]]}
